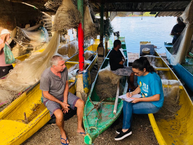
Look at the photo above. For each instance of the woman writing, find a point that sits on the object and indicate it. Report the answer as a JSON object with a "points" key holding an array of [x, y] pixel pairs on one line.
{"points": [[4, 68], [150, 87]]}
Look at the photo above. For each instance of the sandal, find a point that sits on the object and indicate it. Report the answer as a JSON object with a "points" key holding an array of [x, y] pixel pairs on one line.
{"points": [[64, 140], [82, 133]]}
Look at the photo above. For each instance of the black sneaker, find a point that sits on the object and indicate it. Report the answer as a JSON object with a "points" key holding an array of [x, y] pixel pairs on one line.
{"points": [[118, 131], [123, 135]]}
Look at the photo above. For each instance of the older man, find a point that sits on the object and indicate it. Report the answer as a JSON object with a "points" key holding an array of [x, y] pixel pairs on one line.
{"points": [[54, 86]]}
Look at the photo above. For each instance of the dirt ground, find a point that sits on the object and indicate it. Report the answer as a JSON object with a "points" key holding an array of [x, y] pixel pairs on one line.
{"points": [[142, 130], [142, 134]]}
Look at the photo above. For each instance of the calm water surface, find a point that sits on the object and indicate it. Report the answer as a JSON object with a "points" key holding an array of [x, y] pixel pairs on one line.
{"points": [[136, 29]]}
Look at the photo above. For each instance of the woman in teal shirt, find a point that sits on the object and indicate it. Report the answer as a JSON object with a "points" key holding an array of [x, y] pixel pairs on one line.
{"points": [[150, 87]]}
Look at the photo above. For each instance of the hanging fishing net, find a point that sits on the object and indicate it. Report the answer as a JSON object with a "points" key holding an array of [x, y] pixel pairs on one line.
{"points": [[182, 45], [176, 45], [27, 72], [67, 16], [108, 29], [90, 28]]}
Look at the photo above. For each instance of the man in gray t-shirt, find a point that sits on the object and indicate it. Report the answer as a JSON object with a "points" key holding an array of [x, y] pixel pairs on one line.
{"points": [[54, 86]]}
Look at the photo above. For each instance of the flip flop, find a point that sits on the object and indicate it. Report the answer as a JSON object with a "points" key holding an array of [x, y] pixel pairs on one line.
{"points": [[65, 141]]}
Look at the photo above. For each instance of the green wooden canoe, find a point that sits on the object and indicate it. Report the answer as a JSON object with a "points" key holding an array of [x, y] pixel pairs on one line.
{"points": [[98, 120]]}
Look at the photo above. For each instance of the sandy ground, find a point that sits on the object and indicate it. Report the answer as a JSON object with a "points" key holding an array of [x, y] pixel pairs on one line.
{"points": [[142, 130]]}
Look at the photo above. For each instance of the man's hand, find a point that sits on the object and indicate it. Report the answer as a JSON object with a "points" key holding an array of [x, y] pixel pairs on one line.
{"points": [[65, 107]]}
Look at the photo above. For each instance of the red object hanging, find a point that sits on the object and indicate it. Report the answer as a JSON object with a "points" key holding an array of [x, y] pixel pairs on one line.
{"points": [[81, 48]]}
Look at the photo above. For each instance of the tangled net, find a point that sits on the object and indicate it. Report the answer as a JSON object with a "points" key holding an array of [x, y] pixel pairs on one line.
{"points": [[171, 103], [28, 72]]}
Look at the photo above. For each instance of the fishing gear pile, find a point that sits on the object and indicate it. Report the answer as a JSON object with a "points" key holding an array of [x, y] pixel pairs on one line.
{"points": [[31, 37], [107, 79], [69, 49]]}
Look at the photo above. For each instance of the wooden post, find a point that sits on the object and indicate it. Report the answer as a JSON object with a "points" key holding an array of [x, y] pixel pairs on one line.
{"points": [[81, 36], [101, 24], [100, 48], [79, 83], [106, 41]]}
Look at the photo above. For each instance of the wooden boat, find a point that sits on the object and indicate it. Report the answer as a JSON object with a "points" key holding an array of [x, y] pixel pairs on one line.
{"points": [[27, 114], [99, 114], [184, 71], [175, 128]]}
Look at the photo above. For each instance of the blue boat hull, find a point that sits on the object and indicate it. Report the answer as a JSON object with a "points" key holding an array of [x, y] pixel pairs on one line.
{"points": [[184, 75]]}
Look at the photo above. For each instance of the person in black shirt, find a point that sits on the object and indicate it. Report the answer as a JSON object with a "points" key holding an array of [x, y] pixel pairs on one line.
{"points": [[116, 60], [177, 29]]}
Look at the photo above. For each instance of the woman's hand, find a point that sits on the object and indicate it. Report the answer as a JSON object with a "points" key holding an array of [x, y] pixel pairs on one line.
{"points": [[129, 94], [136, 100]]}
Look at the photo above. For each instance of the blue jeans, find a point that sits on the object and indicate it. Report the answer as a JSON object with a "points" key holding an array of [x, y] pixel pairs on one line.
{"points": [[136, 108]]}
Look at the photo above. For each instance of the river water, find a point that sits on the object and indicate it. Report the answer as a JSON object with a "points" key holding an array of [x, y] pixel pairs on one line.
{"points": [[136, 29]]}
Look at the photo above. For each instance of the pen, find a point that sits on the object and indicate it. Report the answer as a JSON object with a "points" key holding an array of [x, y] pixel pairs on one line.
{"points": [[129, 91]]}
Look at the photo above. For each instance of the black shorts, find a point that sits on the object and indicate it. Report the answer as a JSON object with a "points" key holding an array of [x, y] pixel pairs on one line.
{"points": [[4, 70]]}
